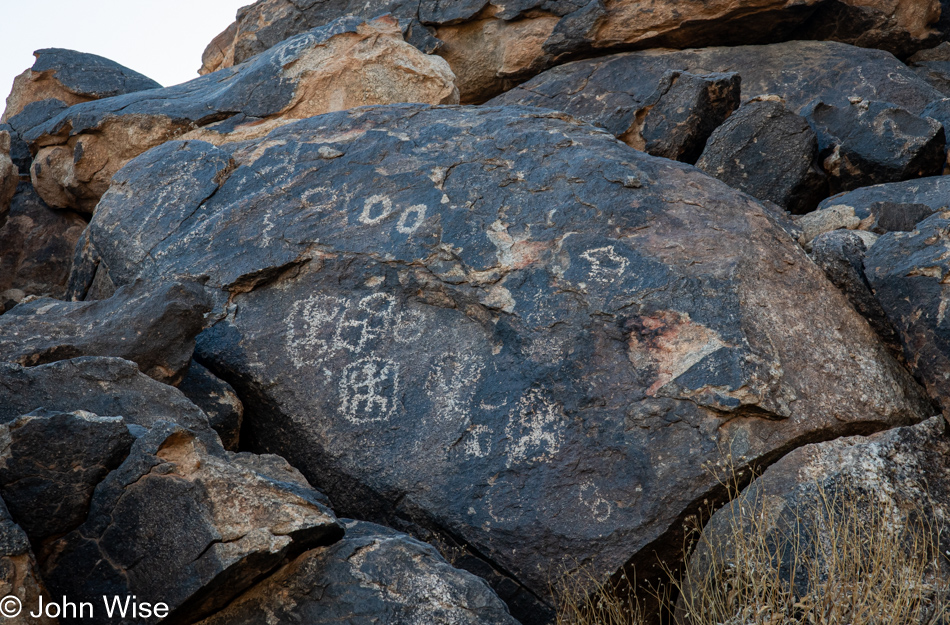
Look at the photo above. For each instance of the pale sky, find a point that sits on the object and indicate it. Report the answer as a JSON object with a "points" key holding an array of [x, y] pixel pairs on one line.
{"points": [[162, 39]]}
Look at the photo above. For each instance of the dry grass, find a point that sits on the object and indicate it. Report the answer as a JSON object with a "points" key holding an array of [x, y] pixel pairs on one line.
{"points": [[840, 558]]}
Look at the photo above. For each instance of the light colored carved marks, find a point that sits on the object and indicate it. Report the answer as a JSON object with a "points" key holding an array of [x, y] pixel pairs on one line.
{"points": [[369, 390], [535, 429], [600, 508], [451, 385], [377, 208], [606, 265]]}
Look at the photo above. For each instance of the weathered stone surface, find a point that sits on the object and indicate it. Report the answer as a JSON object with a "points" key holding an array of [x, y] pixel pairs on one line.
{"points": [[345, 64], [908, 272], [152, 325], [18, 573], [102, 386], [9, 175], [769, 152], [186, 523], [508, 327], [50, 463], [934, 66], [865, 143], [898, 206], [840, 253], [37, 245], [10, 298], [902, 471], [373, 575], [218, 400], [492, 45], [19, 152]]}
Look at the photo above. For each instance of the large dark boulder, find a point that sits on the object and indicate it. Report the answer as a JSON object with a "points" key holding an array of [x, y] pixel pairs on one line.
{"points": [[373, 575], [153, 325], [186, 523], [769, 152], [506, 327], [37, 245], [350, 62], [102, 386], [493, 45], [52, 461], [908, 272]]}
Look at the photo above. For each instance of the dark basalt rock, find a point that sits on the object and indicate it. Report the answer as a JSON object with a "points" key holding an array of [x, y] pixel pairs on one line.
{"points": [[218, 400], [934, 66], [908, 272], [36, 245], [509, 328], [102, 386], [18, 572], [898, 206], [840, 254], [373, 575], [769, 152], [152, 325], [51, 463], [866, 143], [186, 523], [90, 75]]}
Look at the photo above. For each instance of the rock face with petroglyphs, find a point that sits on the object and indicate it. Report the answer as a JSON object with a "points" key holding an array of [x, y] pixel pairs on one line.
{"points": [[500, 325], [346, 63]]}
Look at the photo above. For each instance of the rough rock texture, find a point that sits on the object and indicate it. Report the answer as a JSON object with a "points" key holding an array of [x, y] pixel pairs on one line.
{"points": [[72, 77], [18, 573], [223, 521], [37, 245], [865, 143], [507, 326], [908, 272], [898, 206], [373, 575], [152, 325], [9, 175], [50, 463], [492, 45], [218, 400], [102, 386], [840, 254], [345, 64], [769, 152], [904, 469], [934, 66]]}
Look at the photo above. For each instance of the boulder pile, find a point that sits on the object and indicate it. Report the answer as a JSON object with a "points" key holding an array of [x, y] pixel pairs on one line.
{"points": [[305, 340]]}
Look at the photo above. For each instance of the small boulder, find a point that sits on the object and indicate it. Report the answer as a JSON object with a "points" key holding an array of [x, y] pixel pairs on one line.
{"points": [[218, 400], [37, 245], [152, 325], [50, 464], [345, 64], [894, 207], [769, 152], [373, 575], [188, 524], [933, 65], [72, 77], [910, 272], [872, 142], [102, 386]]}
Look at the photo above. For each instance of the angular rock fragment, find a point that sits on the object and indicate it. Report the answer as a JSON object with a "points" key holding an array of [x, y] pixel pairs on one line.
{"points": [[187, 524], [511, 328], [908, 272], [373, 575], [821, 495], [152, 325], [50, 464], [218, 400], [769, 152], [492, 45], [102, 386], [18, 575], [840, 254], [898, 206], [345, 64], [934, 66], [71, 77], [866, 143], [37, 245]]}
